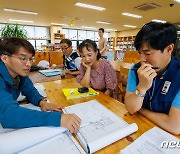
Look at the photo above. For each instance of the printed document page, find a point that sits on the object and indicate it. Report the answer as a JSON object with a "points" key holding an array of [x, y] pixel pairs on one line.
{"points": [[63, 143], [100, 127], [150, 142]]}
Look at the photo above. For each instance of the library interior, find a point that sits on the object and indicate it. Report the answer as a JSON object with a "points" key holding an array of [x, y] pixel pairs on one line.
{"points": [[111, 66]]}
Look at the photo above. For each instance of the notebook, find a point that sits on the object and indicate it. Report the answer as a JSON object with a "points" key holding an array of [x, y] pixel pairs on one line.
{"points": [[72, 93], [52, 72]]}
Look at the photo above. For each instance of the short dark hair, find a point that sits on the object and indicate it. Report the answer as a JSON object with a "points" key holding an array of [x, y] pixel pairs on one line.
{"points": [[12, 45], [157, 35], [102, 29], [89, 44], [67, 41]]}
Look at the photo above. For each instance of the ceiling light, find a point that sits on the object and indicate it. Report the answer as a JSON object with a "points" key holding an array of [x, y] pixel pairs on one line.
{"points": [[156, 20], [103, 22], [131, 15], [20, 11], [90, 6], [129, 26], [59, 24], [16, 20], [178, 1], [69, 17], [88, 27], [111, 29]]}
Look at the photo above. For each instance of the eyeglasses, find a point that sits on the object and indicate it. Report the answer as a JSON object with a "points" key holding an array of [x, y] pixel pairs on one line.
{"points": [[24, 60], [64, 49]]}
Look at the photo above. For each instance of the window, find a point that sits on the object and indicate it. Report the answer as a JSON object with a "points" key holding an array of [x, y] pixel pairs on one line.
{"points": [[72, 34], [90, 35], [81, 34]]}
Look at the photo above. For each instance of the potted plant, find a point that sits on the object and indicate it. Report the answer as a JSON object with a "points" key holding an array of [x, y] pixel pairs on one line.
{"points": [[13, 30]]}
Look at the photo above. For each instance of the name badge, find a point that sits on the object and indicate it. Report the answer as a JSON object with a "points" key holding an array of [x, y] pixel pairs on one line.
{"points": [[165, 87]]}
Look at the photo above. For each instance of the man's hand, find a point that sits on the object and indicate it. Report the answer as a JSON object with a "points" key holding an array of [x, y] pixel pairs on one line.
{"points": [[146, 75], [50, 106], [71, 121]]}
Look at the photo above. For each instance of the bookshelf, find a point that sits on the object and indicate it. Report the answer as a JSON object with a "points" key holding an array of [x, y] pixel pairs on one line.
{"points": [[125, 43], [111, 43], [57, 38]]}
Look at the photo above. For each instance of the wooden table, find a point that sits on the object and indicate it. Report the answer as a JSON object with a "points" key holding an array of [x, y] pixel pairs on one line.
{"points": [[117, 63], [55, 95], [37, 77]]}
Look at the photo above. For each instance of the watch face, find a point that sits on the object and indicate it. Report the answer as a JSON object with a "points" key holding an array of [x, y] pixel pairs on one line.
{"points": [[138, 93]]}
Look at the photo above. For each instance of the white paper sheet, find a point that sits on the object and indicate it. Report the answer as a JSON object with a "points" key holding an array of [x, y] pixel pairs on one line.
{"points": [[105, 127], [150, 142]]}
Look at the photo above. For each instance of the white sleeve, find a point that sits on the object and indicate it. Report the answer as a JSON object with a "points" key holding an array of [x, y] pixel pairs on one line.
{"points": [[78, 62]]}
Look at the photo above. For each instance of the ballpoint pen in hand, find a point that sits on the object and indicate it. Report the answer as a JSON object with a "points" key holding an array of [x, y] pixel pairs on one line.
{"points": [[138, 68]]}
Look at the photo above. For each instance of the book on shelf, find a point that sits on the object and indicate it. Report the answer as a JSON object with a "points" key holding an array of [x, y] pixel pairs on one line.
{"points": [[52, 72], [99, 128], [156, 141], [72, 93]]}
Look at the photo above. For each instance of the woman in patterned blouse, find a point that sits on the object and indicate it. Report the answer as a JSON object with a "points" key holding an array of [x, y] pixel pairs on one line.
{"points": [[95, 72]]}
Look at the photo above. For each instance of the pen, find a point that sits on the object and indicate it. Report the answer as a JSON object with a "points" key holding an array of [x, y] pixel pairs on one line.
{"points": [[86, 124], [138, 68]]}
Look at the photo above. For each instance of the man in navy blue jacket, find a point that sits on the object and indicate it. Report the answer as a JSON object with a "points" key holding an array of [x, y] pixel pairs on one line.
{"points": [[153, 87], [16, 60]]}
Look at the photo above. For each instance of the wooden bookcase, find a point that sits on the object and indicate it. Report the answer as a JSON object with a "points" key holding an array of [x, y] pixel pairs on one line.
{"points": [[57, 39], [125, 43]]}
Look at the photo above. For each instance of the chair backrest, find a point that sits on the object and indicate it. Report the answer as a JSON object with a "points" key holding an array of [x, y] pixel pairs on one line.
{"points": [[128, 60], [56, 57]]}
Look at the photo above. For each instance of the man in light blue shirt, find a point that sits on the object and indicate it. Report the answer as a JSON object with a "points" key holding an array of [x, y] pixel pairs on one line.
{"points": [[153, 84]]}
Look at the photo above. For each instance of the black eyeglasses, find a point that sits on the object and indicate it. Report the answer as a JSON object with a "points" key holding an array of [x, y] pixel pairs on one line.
{"points": [[64, 49]]}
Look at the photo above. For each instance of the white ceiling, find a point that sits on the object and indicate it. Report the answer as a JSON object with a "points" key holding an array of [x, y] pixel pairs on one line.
{"points": [[50, 11]]}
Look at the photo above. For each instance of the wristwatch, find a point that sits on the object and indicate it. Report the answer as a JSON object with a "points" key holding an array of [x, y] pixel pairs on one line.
{"points": [[137, 92]]}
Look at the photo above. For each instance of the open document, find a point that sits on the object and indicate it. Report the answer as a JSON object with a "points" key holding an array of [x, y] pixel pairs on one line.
{"points": [[36, 140], [100, 127], [48, 140], [155, 141]]}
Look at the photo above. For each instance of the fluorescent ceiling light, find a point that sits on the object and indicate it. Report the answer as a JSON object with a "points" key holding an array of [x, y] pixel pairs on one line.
{"points": [[111, 29], [103, 22], [131, 15], [88, 27], [69, 17], [178, 1], [129, 26], [21, 11], [16, 20], [156, 20], [59, 24], [90, 6]]}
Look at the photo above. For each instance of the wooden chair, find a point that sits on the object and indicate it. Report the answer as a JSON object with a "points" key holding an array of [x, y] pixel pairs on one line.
{"points": [[122, 82], [127, 60], [135, 60], [41, 56], [56, 57]]}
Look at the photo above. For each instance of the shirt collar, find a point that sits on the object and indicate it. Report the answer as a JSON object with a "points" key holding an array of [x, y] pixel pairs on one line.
{"points": [[5, 73]]}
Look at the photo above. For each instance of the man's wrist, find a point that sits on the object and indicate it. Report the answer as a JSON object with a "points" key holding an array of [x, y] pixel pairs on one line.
{"points": [[138, 93]]}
